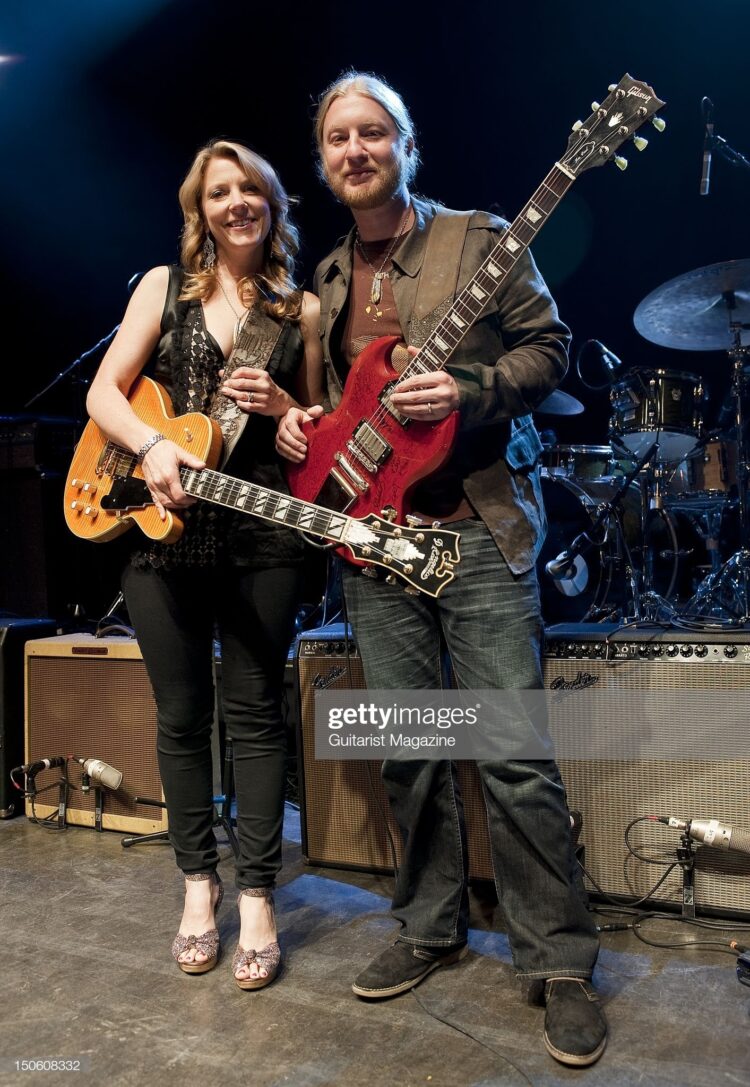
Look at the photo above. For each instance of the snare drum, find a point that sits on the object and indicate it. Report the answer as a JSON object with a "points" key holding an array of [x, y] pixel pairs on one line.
{"points": [[710, 472], [580, 462], [657, 405]]}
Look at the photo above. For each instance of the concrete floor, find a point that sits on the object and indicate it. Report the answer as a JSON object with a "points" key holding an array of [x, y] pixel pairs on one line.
{"points": [[87, 928]]}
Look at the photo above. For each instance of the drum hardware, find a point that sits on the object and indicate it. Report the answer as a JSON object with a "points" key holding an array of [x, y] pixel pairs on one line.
{"points": [[725, 594]]}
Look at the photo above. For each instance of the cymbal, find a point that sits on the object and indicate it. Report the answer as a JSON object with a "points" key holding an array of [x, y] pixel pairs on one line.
{"points": [[559, 403], [693, 311]]}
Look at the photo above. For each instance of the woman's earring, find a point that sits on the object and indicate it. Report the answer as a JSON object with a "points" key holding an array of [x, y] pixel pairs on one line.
{"points": [[208, 257]]}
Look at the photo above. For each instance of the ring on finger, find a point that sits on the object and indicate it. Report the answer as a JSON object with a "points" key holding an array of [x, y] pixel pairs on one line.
{"points": [[249, 397], [429, 407]]}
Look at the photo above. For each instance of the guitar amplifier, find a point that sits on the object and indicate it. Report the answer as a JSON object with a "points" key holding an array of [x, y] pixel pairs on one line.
{"points": [[343, 805], [14, 633], [91, 697], [610, 793]]}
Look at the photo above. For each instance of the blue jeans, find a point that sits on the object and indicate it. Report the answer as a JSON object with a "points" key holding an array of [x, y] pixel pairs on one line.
{"points": [[490, 621]]}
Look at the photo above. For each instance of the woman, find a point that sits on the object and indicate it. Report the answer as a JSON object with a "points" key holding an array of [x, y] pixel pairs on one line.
{"points": [[228, 570]]}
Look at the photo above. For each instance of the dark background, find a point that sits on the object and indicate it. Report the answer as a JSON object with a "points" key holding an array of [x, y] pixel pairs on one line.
{"points": [[107, 100]]}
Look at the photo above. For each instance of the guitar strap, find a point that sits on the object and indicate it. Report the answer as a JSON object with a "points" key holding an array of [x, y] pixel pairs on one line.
{"points": [[442, 261], [255, 344]]}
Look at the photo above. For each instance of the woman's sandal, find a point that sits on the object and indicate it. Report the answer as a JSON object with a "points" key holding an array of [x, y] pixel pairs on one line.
{"points": [[268, 959], [208, 942]]}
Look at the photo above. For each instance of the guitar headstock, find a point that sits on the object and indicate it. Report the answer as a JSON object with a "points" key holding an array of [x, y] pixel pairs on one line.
{"points": [[422, 557], [617, 119]]}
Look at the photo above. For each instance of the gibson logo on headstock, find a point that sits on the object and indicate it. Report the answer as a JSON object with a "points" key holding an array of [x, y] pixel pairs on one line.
{"points": [[635, 92]]}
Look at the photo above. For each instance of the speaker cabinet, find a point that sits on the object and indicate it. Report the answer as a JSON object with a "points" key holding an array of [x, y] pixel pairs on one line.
{"points": [[14, 633], [345, 810], [343, 804], [612, 792], [91, 697]]}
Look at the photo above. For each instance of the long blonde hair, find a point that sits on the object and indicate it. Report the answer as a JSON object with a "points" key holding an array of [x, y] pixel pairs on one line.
{"points": [[276, 281], [369, 86]]}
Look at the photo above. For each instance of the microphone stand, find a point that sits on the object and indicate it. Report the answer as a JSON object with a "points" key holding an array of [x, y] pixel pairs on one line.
{"points": [[104, 342], [731, 154]]}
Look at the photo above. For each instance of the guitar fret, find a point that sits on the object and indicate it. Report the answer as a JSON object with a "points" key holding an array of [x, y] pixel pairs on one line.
{"points": [[532, 213], [477, 291]]}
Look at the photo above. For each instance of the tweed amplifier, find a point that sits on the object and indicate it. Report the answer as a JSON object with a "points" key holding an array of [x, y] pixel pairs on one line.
{"points": [[343, 804], [610, 793], [91, 697]]}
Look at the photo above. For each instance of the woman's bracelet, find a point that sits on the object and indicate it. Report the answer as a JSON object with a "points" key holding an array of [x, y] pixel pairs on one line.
{"points": [[149, 445]]}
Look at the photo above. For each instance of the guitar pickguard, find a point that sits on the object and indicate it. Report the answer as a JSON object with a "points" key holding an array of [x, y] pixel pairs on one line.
{"points": [[126, 493]]}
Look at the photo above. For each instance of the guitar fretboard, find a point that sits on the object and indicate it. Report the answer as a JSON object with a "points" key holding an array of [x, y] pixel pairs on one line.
{"points": [[267, 504], [469, 304]]}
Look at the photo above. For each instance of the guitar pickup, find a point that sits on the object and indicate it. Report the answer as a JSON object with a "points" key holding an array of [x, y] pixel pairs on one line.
{"points": [[385, 400], [371, 443], [351, 472]]}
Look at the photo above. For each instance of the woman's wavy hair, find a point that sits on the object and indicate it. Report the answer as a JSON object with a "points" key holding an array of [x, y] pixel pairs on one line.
{"points": [[369, 86], [276, 281]]}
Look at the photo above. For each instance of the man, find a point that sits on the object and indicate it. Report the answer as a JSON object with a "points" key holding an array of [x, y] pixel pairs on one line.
{"points": [[375, 283]]}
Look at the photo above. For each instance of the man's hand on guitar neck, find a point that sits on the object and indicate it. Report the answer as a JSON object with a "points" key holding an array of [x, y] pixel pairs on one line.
{"points": [[161, 470], [291, 440], [426, 397]]}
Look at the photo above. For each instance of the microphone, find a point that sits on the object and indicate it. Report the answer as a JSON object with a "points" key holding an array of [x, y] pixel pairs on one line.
{"points": [[608, 357], [711, 832], [101, 773], [707, 108], [561, 567], [31, 769]]}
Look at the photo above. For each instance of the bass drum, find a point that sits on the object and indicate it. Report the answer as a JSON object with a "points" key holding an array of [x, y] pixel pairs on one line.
{"points": [[597, 588]]}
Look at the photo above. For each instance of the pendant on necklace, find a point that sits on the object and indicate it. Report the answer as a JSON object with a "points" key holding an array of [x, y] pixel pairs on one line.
{"points": [[376, 293]]}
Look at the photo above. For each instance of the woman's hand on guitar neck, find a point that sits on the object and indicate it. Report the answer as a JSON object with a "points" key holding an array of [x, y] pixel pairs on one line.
{"points": [[291, 440], [161, 470]]}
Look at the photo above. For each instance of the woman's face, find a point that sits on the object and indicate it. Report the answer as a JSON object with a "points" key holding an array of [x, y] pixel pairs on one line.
{"points": [[235, 211]]}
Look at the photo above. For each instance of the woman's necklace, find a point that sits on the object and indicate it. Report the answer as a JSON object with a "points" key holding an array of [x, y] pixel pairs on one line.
{"points": [[376, 289], [239, 317]]}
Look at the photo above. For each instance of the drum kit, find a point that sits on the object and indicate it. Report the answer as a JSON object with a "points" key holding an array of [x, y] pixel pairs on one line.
{"points": [[655, 526]]}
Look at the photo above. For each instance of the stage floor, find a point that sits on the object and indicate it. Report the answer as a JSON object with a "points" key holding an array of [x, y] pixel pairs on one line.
{"points": [[86, 933]]}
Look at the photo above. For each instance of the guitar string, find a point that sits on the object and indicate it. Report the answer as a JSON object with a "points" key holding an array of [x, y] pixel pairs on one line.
{"points": [[233, 487], [498, 254]]}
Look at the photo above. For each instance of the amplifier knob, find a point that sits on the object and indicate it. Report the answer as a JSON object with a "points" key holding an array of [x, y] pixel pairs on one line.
{"points": [[642, 650], [686, 650], [730, 651], [656, 650], [701, 650], [672, 650]]}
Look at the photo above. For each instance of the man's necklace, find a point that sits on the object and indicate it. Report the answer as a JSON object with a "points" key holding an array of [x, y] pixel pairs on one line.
{"points": [[378, 275]]}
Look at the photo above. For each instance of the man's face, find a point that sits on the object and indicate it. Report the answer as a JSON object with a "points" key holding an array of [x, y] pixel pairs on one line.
{"points": [[362, 152]]}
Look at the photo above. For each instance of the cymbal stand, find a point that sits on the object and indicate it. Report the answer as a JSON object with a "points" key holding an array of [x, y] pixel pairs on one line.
{"points": [[725, 595]]}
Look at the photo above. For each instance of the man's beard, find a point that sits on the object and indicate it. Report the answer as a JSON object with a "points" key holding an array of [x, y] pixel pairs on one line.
{"points": [[378, 191]]}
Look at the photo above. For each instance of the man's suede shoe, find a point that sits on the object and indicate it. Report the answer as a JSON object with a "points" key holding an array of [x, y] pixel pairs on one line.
{"points": [[402, 966], [575, 1031]]}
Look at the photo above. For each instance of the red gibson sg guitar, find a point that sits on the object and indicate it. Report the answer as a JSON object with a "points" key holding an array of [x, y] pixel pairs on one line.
{"points": [[366, 456]]}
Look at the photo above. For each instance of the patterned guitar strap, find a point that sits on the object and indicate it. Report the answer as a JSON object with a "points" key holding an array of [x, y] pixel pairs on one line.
{"points": [[255, 344], [442, 263]]}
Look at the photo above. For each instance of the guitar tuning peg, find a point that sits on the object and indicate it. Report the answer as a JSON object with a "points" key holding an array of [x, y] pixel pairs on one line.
{"points": [[391, 579], [659, 123], [620, 162], [595, 106], [577, 126], [640, 143], [612, 87]]}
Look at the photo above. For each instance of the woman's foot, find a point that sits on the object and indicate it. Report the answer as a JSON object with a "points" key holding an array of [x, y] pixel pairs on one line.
{"points": [[256, 961], [196, 946]]}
